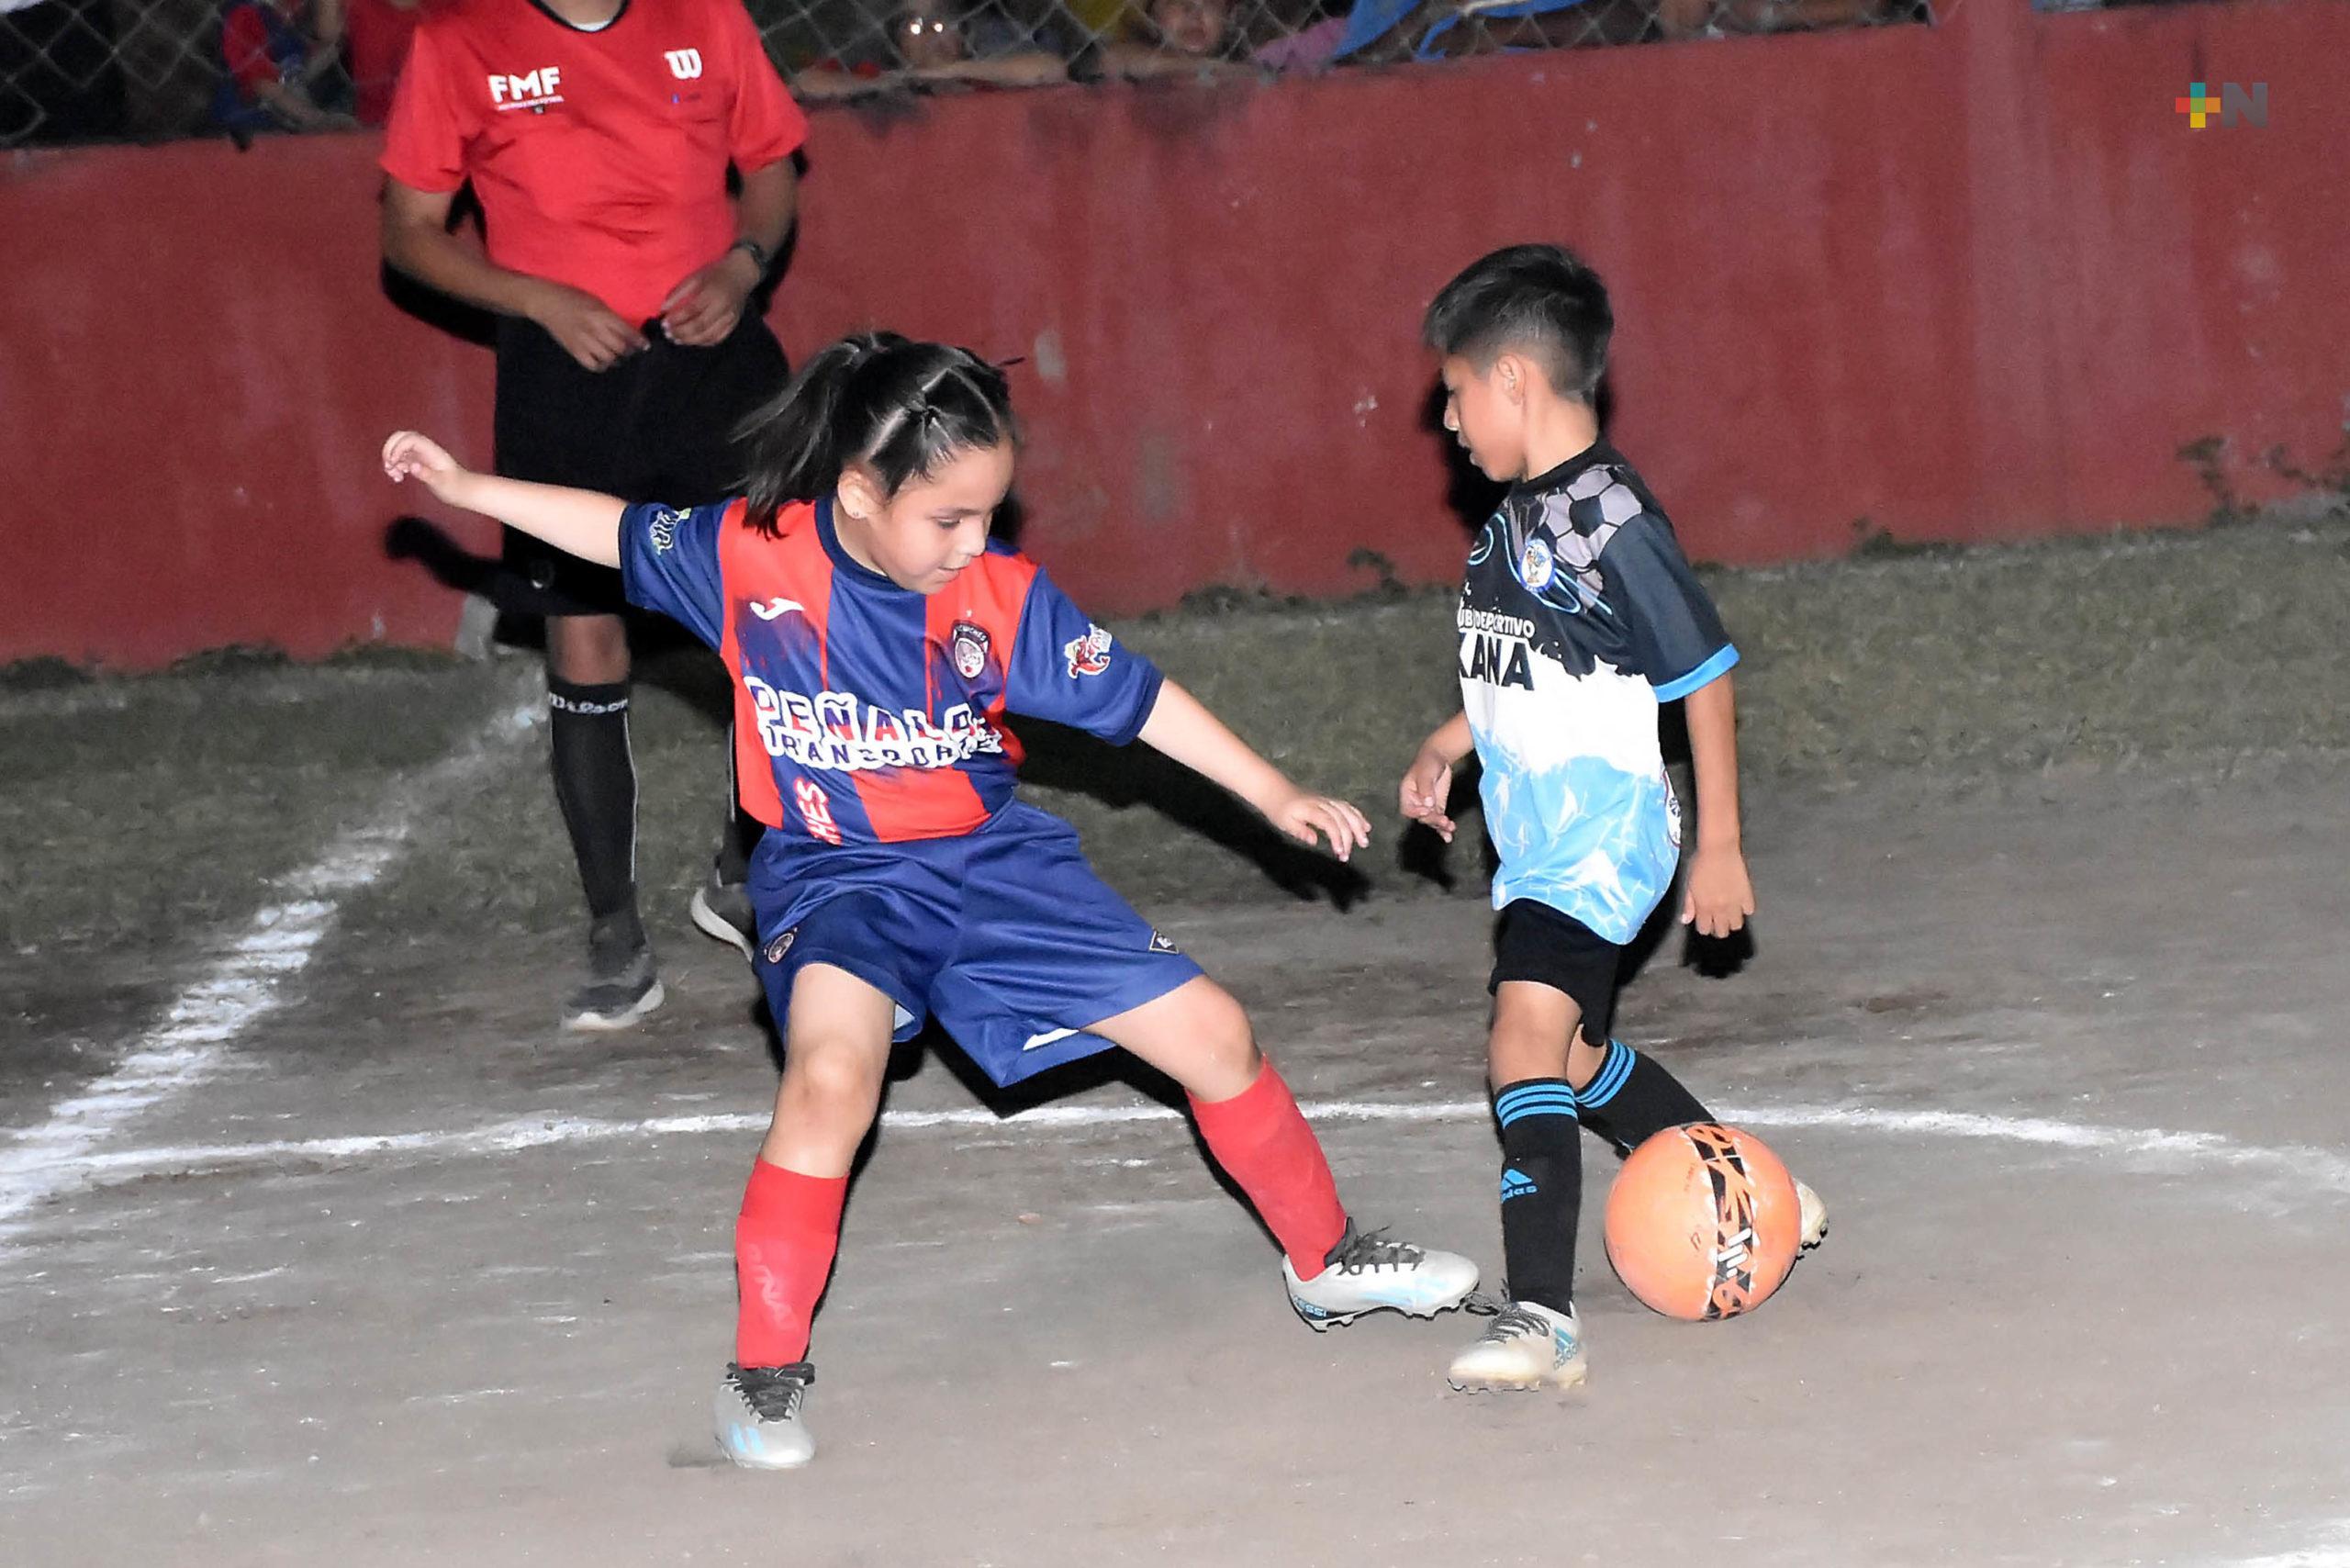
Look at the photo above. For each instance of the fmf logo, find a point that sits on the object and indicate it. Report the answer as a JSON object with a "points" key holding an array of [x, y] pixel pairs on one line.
{"points": [[2237, 104], [685, 64], [535, 91]]}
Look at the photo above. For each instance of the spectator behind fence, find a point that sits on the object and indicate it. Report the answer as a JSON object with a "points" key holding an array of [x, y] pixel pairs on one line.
{"points": [[932, 43], [1713, 18], [1378, 31], [277, 54], [1200, 38], [376, 39], [59, 79]]}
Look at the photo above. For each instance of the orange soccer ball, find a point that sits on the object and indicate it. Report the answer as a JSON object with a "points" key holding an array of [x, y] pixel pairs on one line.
{"points": [[1703, 1222]]}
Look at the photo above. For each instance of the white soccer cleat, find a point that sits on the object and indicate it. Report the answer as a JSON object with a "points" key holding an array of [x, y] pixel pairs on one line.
{"points": [[1527, 1346], [1367, 1273], [1814, 1210], [756, 1415]]}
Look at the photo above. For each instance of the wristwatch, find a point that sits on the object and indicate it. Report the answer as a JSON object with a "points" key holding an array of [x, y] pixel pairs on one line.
{"points": [[759, 254]]}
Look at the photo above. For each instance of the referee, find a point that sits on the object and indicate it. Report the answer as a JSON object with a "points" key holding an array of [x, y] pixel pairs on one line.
{"points": [[596, 136]]}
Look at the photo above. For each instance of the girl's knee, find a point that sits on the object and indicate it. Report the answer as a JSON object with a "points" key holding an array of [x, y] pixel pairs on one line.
{"points": [[832, 1079], [1221, 1047], [824, 1108]]}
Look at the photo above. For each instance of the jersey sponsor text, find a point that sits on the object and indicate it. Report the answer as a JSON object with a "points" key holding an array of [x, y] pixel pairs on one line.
{"points": [[840, 731]]}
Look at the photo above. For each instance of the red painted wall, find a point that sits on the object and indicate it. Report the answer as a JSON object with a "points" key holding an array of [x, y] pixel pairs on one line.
{"points": [[1978, 282]]}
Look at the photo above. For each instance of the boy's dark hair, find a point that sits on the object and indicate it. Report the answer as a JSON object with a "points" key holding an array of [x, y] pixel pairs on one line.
{"points": [[899, 407], [1541, 300]]}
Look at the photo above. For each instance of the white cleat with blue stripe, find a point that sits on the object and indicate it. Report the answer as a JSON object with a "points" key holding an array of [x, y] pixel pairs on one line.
{"points": [[1528, 1346], [1367, 1273], [757, 1416]]}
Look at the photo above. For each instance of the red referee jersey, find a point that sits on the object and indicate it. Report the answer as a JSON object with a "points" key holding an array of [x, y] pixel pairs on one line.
{"points": [[600, 158]]}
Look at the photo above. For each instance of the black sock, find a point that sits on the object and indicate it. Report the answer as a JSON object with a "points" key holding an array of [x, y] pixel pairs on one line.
{"points": [[1631, 1098], [595, 783], [1542, 1189], [740, 837]]}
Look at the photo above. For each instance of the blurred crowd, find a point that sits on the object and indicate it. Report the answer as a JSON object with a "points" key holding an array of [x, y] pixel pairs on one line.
{"points": [[95, 70]]}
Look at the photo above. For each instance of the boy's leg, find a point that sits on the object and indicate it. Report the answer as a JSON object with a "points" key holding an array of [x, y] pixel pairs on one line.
{"points": [[837, 1045], [1535, 1337], [1552, 978], [1627, 1098], [1200, 1036], [1541, 1187]]}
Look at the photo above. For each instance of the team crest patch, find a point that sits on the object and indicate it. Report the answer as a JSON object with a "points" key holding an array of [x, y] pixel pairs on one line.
{"points": [[1537, 567], [971, 649], [663, 530], [782, 944], [1160, 944], [1088, 655]]}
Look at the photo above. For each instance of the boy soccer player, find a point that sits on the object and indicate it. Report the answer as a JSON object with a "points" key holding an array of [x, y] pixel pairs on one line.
{"points": [[1578, 617]]}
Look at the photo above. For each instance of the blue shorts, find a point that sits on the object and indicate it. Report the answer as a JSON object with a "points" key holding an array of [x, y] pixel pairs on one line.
{"points": [[1005, 935]]}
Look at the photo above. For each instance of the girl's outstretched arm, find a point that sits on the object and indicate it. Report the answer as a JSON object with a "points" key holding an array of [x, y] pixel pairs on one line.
{"points": [[581, 521], [1181, 727]]}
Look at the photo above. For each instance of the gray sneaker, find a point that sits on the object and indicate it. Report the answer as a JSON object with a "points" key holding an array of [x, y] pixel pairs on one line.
{"points": [[757, 1416], [621, 984], [722, 910]]}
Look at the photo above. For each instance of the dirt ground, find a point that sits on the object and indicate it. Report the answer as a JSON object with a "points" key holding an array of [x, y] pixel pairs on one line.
{"points": [[317, 1241]]}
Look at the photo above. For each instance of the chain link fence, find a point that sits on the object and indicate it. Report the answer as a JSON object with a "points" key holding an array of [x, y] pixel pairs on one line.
{"points": [[75, 71]]}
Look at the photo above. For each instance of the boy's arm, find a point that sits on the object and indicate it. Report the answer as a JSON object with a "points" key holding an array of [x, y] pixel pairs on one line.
{"points": [[1428, 783], [1720, 896], [1183, 728], [580, 521]]}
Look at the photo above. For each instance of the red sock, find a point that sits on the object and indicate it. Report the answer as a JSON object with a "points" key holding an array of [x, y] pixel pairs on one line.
{"points": [[784, 1240], [1264, 1144]]}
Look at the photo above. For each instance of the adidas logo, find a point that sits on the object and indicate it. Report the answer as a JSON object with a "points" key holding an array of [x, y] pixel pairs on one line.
{"points": [[1515, 1183]]}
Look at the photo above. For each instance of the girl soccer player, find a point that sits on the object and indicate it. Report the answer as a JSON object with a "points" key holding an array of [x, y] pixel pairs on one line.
{"points": [[877, 637]]}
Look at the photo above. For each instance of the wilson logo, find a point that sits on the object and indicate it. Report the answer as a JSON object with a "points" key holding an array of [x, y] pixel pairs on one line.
{"points": [[685, 64]]}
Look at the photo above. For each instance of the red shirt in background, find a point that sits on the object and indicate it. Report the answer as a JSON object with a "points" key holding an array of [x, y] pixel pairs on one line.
{"points": [[376, 35], [598, 158]]}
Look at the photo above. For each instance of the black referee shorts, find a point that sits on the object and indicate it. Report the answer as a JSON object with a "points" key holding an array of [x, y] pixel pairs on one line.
{"points": [[1535, 942], [658, 425]]}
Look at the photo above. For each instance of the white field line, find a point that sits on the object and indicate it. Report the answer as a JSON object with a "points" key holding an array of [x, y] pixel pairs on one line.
{"points": [[2333, 1552], [244, 983], [2308, 1169]]}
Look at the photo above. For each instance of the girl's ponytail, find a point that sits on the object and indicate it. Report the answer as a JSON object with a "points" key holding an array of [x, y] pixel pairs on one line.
{"points": [[794, 441]]}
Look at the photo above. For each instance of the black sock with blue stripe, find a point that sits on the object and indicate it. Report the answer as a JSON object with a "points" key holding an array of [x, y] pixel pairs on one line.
{"points": [[1541, 1188], [1631, 1098]]}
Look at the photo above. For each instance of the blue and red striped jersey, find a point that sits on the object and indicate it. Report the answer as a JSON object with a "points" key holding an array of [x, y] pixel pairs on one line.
{"points": [[866, 713]]}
